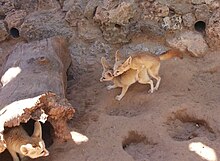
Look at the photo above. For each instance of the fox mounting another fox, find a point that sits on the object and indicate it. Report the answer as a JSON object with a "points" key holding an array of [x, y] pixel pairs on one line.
{"points": [[18, 141], [144, 60], [124, 80]]}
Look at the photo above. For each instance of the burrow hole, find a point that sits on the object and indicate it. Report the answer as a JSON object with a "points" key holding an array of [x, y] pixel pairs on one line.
{"points": [[47, 134], [139, 146], [182, 127], [200, 26], [14, 32]]}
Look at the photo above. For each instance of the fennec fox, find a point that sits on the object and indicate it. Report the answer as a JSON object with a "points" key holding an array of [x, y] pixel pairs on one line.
{"points": [[18, 141], [144, 60], [124, 80]]}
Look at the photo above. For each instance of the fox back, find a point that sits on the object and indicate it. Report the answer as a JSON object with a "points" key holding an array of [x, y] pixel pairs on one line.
{"points": [[138, 61], [142, 59], [18, 141]]}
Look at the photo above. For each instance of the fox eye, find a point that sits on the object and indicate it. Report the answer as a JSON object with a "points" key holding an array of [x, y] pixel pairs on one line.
{"points": [[117, 71]]}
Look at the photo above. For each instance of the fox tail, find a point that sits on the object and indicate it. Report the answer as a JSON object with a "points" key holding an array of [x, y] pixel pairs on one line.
{"points": [[170, 54]]}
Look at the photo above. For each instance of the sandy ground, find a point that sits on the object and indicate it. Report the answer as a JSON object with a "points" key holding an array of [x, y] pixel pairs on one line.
{"points": [[180, 121]]}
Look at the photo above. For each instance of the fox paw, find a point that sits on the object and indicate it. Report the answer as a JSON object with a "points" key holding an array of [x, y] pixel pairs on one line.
{"points": [[118, 97], [151, 91]]}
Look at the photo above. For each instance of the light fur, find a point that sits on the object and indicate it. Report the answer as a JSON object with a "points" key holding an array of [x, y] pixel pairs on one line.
{"points": [[18, 141], [124, 80], [144, 60]]}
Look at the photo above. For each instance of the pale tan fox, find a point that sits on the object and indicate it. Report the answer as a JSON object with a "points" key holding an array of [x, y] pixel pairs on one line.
{"points": [[124, 80], [18, 141], [144, 60]]}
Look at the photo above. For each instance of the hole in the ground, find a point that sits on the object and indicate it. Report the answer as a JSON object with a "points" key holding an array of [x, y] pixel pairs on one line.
{"points": [[184, 127], [139, 146], [200, 26], [14, 32], [47, 134]]}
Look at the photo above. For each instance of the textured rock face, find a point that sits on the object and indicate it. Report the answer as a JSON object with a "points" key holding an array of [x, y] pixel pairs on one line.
{"points": [[6, 6], [36, 5], [213, 29], [188, 20], [15, 19], [115, 22], [202, 12], [74, 15], [190, 41], [3, 31], [88, 31], [172, 23], [44, 24], [90, 8]]}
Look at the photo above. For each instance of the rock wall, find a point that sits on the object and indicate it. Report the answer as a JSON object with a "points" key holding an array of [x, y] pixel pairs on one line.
{"points": [[113, 21]]}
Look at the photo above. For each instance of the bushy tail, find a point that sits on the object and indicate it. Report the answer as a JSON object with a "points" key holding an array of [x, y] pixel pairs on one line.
{"points": [[170, 54]]}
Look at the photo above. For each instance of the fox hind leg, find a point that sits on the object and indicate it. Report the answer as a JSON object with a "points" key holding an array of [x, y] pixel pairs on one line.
{"points": [[145, 79], [137, 77], [153, 72]]}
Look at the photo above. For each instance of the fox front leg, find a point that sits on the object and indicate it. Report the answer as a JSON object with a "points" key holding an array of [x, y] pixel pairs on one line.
{"points": [[13, 154], [124, 90]]}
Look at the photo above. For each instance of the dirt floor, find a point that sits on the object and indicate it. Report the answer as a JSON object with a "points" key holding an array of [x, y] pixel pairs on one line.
{"points": [[180, 121]]}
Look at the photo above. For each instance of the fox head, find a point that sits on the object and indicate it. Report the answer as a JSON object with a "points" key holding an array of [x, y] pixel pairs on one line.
{"points": [[36, 147], [107, 74], [121, 66]]}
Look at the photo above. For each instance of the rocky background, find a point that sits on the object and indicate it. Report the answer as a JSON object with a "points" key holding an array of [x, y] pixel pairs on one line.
{"points": [[96, 28]]}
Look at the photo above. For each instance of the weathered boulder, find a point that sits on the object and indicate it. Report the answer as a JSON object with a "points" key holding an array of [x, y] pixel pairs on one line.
{"points": [[31, 6], [172, 22], [151, 27], [153, 10], [74, 15], [88, 30], [181, 8], [190, 41], [202, 12], [3, 31], [213, 29], [189, 20], [115, 22], [45, 24], [15, 19], [6, 6], [198, 1], [91, 8]]}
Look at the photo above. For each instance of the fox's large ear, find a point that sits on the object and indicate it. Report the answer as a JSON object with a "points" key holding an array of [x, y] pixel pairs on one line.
{"points": [[37, 130], [25, 149], [104, 63], [117, 56], [128, 61]]}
